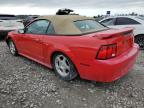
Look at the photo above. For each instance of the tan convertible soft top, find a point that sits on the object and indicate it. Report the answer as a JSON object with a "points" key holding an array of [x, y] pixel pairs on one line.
{"points": [[63, 24]]}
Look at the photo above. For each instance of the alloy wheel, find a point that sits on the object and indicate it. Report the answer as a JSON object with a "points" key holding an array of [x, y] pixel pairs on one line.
{"points": [[62, 65]]}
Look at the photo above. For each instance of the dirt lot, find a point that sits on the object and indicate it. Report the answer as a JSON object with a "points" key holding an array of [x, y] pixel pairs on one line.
{"points": [[26, 84]]}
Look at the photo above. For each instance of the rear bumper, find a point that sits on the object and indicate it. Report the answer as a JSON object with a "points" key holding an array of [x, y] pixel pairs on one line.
{"points": [[112, 69]]}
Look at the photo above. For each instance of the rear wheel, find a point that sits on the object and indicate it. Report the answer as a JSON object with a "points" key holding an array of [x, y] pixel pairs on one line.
{"points": [[140, 41], [12, 47], [64, 67]]}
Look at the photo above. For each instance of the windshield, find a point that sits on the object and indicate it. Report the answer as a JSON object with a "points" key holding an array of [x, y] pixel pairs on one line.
{"points": [[8, 17], [86, 26]]}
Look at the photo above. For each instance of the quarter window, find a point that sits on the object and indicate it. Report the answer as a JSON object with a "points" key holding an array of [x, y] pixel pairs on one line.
{"points": [[126, 21], [108, 22], [38, 27], [51, 29]]}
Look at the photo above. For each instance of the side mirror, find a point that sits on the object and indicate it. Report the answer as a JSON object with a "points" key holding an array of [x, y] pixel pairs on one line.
{"points": [[21, 31]]}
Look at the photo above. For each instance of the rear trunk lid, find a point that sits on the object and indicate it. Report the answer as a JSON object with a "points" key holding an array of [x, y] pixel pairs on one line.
{"points": [[123, 38]]}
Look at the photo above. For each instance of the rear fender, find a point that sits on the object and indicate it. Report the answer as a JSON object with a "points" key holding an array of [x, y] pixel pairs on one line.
{"points": [[62, 49]]}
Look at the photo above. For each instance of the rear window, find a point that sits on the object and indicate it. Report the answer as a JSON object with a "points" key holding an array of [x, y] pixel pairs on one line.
{"points": [[8, 17], [86, 26]]}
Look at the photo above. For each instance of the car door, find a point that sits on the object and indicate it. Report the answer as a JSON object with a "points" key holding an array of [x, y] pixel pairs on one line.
{"points": [[31, 41]]}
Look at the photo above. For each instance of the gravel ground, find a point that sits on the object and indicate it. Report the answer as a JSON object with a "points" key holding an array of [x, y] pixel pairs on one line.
{"points": [[26, 84]]}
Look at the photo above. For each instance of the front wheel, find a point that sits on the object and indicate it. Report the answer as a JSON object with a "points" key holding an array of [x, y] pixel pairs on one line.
{"points": [[140, 41], [64, 67], [12, 47]]}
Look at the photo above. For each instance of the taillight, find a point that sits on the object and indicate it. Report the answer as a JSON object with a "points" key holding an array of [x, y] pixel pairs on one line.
{"points": [[107, 52]]}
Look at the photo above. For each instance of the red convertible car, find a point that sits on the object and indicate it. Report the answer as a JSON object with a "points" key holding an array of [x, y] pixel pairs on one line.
{"points": [[75, 45]]}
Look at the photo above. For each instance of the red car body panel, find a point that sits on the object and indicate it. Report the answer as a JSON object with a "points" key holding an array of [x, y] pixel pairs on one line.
{"points": [[112, 69], [82, 50]]}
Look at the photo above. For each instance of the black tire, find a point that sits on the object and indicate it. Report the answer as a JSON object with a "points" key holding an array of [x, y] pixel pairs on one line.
{"points": [[72, 70], [15, 51], [140, 41]]}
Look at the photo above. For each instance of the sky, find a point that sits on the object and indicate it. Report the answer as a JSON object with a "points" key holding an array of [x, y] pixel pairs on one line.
{"points": [[82, 7]]}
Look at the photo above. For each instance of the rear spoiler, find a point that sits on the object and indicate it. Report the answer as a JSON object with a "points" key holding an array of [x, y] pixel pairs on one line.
{"points": [[114, 33]]}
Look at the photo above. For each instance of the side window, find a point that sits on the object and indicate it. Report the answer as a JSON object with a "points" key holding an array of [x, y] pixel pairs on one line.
{"points": [[51, 29], [108, 22], [126, 21], [38, 27]]}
